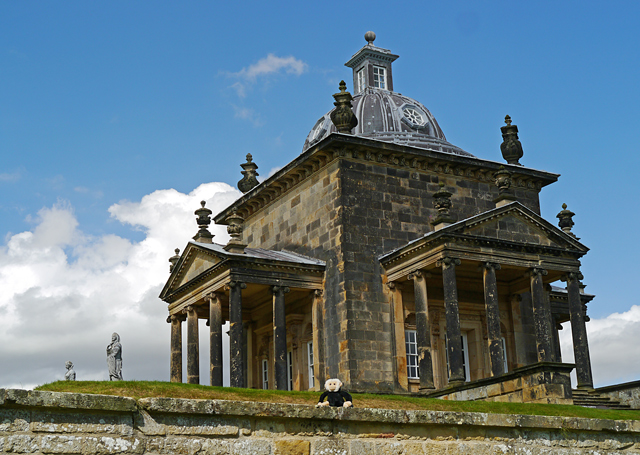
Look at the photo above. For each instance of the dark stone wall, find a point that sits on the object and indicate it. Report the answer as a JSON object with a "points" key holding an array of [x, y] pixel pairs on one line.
{"points": [[348, 214]]}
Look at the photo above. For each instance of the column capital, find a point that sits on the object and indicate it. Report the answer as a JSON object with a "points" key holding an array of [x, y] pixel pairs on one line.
{"points": [[212, 296], [234, 283], [490, 265], [175, 317], [537, 271], [447, 262], [417, 274], [318, 293], [571, 276], [277, 288], [189, 309], [394, 286]]}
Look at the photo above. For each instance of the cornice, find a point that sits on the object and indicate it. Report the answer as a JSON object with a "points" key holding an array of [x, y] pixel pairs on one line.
{"points": [[338, 146]]}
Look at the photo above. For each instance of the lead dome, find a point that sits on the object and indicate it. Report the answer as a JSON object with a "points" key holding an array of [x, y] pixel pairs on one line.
{"points": [[383, 114]]}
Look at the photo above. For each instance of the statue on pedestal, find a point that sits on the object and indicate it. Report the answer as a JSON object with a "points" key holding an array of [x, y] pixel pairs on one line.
{"points": [[114, 358]]}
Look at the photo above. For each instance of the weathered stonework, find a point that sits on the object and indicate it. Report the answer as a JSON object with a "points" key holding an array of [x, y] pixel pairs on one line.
{"points": [[47, 422], [627, 393]]}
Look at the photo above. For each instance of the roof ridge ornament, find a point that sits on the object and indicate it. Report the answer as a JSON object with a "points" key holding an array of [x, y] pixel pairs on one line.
{"points": [[370, 37], [511, 147], [565, 222], [442, 203], [204, 220], [235, 228], [342, 116], [174, 260], [503, 182], [249, 180]]}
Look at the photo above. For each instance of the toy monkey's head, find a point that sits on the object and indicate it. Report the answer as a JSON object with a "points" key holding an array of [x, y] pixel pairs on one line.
{"points": [[333, 385]]}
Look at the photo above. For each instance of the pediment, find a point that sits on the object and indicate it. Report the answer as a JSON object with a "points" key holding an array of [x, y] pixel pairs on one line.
{"points": [[197, 263], [193, 262], [517, 224]]}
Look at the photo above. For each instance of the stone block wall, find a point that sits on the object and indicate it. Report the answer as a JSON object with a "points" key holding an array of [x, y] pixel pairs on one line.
{"points": [[627, 393], [538, 383], [347, 214], [62, 423]]}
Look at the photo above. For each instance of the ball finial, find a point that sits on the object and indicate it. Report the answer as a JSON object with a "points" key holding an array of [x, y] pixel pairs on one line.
{"points": [[370, 37]]}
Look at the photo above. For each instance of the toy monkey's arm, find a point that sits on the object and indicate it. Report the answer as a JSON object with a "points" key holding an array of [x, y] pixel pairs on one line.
{"points": [[347, 399], [322, 397]]}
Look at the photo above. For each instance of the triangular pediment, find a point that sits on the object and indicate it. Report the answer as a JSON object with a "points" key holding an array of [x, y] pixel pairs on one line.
{"points": [[193, 262], [517, 224]]}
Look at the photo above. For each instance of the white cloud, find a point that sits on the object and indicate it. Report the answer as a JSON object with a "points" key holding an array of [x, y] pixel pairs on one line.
{"points": [[269, 65], [65, 292], [272, 64], [614, 345], [248, 114], [12, 177]]}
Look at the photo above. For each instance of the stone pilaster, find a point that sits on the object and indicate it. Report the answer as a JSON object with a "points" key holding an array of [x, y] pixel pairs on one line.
{"points": [[193, 349], [215, 339], [579, 332], [280, 337], [176, 348], [398, 346], [541, 315], [496, 354], [452, 316], [317, 316], [423, 329], [236, 333]]}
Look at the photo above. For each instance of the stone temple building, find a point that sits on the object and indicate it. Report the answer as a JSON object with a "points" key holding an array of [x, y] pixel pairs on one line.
{"points": [[390, 258]]}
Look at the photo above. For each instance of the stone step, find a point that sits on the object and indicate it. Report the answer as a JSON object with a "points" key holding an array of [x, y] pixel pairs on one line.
{"points": [[595, 400]]}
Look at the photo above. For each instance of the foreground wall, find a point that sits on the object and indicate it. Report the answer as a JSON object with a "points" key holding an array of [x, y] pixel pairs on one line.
{"points": [[48, 422]]}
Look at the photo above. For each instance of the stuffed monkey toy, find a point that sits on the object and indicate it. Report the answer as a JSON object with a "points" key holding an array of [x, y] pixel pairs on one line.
{"points": [[335, 396]]}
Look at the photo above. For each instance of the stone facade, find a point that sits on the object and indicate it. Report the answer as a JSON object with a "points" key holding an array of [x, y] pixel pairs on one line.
{"points": [[381, 209], [63, 423]]}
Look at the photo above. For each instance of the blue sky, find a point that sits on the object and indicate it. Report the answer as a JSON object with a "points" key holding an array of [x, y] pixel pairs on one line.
{"points": [[107, 108]]}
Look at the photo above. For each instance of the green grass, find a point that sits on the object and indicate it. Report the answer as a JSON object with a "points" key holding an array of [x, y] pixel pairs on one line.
{"points": [[144, 389]]}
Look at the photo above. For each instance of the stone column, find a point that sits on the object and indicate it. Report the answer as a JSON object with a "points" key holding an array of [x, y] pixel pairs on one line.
{"points": [[399, 348], [236, 333], [452, 316], [215, 339], [193, 350], [423, 329], [541, 315], [317, 318], [176, 348], [280, 337], [496, 354], [579, 332]]}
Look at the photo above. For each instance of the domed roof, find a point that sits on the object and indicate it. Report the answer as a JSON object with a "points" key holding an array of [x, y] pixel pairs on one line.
{"points": [[383, 114]]}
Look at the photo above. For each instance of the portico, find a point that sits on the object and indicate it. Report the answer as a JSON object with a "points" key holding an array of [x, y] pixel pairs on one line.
{"points": [[477, 270]]}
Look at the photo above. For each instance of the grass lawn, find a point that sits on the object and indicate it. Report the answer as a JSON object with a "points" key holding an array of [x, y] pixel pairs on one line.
{"points": [[144, 389]]}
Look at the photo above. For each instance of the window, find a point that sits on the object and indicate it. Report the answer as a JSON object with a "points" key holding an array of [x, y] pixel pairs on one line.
{"points": [[504, 354], [310, 363], [265, 374], [289, 371], [379, 77], [465, 356], [411, 345], [414, 116], [360, 80]]}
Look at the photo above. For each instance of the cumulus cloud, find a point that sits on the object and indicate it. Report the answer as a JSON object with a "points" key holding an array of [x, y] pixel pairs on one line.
{"points": [[269, 65], [614, 345], [65, 291]]}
